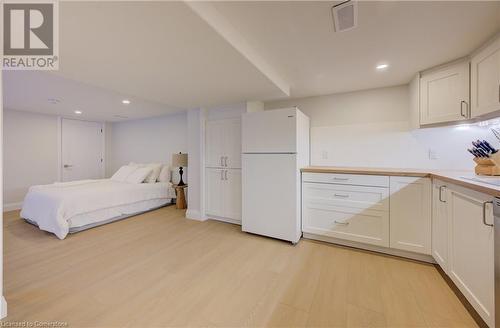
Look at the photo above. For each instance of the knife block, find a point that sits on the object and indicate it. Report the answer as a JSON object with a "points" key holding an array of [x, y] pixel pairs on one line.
{"points": [[488, 166]]}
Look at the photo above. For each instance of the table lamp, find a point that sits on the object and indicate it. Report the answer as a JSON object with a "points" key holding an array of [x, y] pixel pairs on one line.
{"points": [[180, 160]]}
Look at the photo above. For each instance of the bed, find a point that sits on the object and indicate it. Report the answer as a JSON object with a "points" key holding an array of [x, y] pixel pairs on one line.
{"points": [[68, 207]]}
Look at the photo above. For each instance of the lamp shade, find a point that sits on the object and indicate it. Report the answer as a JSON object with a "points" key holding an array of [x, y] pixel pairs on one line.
{"points": [[179, 160]]}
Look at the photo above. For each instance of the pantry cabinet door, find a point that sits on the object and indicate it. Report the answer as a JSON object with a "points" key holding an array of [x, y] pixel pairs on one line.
{"points": [[485, 80], [232, 144], [232, 194], [410, 210], [444, 94], [440, 224], [214, 144], [471, 261], [214, 191]]}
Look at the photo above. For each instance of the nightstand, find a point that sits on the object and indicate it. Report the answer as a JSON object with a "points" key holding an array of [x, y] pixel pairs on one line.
{"points": [[181, 197]]}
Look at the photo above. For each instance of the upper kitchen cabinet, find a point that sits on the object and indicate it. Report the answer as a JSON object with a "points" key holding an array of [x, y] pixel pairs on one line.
{"points": [[485, 79], [444, 94]]}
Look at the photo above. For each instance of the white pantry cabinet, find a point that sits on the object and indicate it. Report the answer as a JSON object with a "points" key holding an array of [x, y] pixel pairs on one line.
{"points": [[440, 224], [444, 94], [223, 193], [470, 248], [410, 210], [485, 80], [223, 143]]}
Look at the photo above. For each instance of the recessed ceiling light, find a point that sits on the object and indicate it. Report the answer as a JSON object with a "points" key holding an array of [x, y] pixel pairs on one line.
{"points": [[126, 101], [78, 112], [382, 66]]}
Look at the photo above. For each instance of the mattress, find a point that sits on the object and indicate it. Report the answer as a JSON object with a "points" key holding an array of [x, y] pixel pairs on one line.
{"points": [[59, 207]]}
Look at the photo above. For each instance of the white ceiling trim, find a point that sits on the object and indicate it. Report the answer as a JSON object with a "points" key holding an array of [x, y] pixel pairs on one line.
{"points": [[221, 25]]}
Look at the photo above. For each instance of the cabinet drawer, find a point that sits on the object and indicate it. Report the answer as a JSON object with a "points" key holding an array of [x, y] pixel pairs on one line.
{"points": [[365, 226], [347, 179], [374, 198]]}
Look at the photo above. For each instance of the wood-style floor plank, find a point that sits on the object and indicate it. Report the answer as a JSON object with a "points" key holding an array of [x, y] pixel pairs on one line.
{"points": [[159, 269]]}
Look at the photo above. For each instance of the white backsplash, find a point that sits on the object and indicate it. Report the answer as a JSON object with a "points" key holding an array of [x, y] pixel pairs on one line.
{"points": [[394, 145]]}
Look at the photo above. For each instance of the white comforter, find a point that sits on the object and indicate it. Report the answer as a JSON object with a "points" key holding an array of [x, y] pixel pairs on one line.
{"points": [[51, 206]]}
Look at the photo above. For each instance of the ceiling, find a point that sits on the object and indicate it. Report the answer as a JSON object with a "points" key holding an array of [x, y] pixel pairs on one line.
{"points": [[298, 39], [35, 92], [172, 56]]}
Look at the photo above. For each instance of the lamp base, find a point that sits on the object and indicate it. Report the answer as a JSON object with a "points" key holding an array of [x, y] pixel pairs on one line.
{"points": [[181, 183]]}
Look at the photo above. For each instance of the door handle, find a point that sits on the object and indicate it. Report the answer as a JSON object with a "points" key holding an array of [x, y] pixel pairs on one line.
{"points": [[440, 194], [341, 223], [462, 109], [67, 166], [484, 213]]}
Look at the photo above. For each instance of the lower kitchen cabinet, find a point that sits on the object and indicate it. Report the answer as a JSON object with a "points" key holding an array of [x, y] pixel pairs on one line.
{"points": [[440, 224], [410, 210], [470, 248], [223, 193]]}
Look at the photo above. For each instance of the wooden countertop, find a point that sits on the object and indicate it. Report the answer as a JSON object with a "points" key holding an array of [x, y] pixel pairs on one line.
{"points": [[455, 177]]}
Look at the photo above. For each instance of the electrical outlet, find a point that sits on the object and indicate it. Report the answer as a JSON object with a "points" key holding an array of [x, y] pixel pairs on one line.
{"points": [[324, 154], [433, 155]]}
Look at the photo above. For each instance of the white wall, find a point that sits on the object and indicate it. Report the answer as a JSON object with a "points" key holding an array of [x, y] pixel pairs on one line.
{"points": [[30, 153], [147, 140], [3, 303], [372, 128]]}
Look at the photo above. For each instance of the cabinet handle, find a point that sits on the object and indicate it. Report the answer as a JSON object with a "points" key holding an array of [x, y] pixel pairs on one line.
{"points": [[441, 193], [225, 161], [340, 179], [221, 175], [341, 195], [225, 175], [341, 223], [221, 163], [462, 109], [484, 213]]}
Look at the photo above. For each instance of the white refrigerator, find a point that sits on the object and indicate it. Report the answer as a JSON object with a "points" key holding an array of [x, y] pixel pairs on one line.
{"points": [[275, 145]]}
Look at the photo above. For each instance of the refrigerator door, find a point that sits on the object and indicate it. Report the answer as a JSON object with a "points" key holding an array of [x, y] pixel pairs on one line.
{"points": [[270, 204], [272, 131]]}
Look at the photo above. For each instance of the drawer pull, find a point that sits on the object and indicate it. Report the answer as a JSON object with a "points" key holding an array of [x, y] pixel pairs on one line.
{"points": [[341, 223], [340, 179], [484, 214], [341, 195]]}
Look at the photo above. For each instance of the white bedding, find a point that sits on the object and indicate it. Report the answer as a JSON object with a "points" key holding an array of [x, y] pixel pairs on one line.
{"points": [[52, 207]]}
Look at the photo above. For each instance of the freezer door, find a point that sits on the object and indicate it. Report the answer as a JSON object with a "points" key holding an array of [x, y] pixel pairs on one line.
{"points": [[270, 202], [272, 131]]}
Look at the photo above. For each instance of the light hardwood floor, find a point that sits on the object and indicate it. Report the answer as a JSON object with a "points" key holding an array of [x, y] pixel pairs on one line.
{"points": [[160, 269]]}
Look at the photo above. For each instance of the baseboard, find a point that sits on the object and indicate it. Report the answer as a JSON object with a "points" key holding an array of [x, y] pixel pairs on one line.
{"points": [[195, 215], [227, 220], [12, 206], [3, 311], [372, 248]]}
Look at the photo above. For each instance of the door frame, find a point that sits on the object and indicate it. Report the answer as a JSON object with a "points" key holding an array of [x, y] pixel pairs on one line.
{"points": [[59, 146]]}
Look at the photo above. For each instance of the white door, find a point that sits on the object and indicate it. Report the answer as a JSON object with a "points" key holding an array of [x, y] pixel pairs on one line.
{"points": [[214, 191], [485, 80], [410, 208], [269, 195], [440, 224], [82, 150], [232, 194], [470, 256], [444, 94], [271, 131], [232, 144], [214, 147]]}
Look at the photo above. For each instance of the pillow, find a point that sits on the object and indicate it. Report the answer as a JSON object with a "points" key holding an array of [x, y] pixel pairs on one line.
{"points": [[139, 175], [123, 173], [164, 174], [155, 173]]}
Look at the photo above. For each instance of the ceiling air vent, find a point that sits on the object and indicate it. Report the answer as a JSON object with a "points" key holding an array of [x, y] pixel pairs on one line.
{"points": [[345, 16]]}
